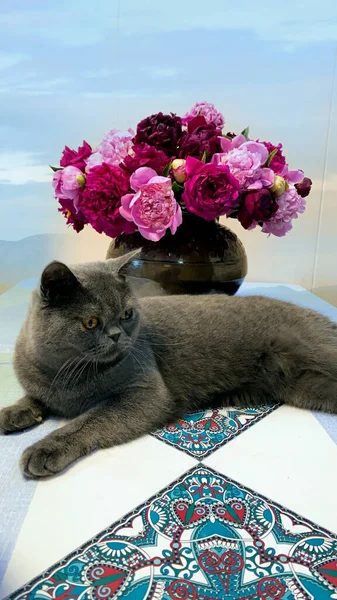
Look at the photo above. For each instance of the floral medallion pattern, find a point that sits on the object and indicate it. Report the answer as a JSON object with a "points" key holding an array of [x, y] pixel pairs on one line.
{"points": [[203, 537], [201, 433]]}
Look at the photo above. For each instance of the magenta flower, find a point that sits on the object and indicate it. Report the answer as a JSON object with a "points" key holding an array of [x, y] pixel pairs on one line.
{"points": [[68, 183], [210, 189], [143, 155], [76, 158], [101, 199], [113, 148], [304, 187], [245, 163], [200, 136], [257, 207], [153, 207], [207, 110], [72, 216], [278, 162], [290, 204]]}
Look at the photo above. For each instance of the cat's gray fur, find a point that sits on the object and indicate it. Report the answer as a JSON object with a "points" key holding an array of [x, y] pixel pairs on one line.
{"points": [[175, 355]]}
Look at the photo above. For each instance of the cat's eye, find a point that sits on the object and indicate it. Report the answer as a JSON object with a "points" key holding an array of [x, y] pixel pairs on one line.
{"points": [[127, 315], [90, 323]]}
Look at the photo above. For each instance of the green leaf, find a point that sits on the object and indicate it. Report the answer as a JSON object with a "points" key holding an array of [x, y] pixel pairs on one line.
{"points": [[271, 156], [228, 137], [56, 168], [189, 513], [232, 513], [205, 157], [167, 169], [245, 132], [177, 188]]}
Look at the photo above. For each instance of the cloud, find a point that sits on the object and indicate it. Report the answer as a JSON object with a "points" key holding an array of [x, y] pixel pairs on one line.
{"points": [[20, 168], [8, 60], [161, 72]]}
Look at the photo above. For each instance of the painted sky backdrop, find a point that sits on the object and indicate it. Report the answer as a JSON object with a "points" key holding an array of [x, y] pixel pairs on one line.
{"points": [[70, 70]]}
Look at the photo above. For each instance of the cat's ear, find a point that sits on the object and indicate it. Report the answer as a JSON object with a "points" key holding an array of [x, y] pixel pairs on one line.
{"points": [[120, 265], [58, 283]]}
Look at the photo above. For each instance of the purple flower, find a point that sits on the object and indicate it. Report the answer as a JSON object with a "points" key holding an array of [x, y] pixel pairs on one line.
{"points": [[143, 155], [256, 208], [245, 163], [210, 189], [290, 204], [153, 207], [113, 148], [207, 110], [76, 158], [304, 187], [200, 136], [68, 183], [161, 131], [101, 199], [278, 161]]}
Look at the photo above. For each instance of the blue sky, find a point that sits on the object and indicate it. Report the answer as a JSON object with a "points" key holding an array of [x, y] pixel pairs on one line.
{"points": [[70, 71]]}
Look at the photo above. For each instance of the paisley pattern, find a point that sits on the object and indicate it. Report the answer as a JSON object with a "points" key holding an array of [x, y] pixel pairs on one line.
{"points": [[201, 433], [203, 537]]}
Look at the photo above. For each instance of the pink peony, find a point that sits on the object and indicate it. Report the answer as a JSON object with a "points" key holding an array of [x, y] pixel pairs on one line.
{"points": [[101, 199], [76, 158], [153, 207], [207, 110], [210, 189], [290, 204], [245, 163], [113, 148], [68, 183], [143, 155]]}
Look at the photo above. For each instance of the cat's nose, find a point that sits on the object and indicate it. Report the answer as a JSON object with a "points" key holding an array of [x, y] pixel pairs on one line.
{"points": [[114, 334]]}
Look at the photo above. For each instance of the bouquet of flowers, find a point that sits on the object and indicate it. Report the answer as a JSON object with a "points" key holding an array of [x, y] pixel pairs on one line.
{"points": [[146, 181]]}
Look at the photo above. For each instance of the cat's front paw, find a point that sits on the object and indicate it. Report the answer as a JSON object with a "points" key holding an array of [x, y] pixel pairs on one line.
{"points": [[47, 458], [17, 418]]}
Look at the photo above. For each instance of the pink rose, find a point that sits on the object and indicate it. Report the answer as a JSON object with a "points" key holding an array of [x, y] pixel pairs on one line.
{"points": [[245, 163], [68, 183], [153, 207], [210, 189]]}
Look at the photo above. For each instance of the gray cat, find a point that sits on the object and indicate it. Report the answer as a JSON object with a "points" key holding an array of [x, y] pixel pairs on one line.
{"points": [[119, 367]]}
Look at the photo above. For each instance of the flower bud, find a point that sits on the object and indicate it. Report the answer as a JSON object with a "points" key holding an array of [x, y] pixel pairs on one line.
{"points": [[279, 186], [178, 170], [80, 180]]}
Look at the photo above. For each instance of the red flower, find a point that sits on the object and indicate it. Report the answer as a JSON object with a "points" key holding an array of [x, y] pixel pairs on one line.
{"points": [[76, 158], [278, 161], [210, 189], [258, 206], [146, 156], [200, 136], [75, 219], [101, 199], [161, 131], [304, 188]]}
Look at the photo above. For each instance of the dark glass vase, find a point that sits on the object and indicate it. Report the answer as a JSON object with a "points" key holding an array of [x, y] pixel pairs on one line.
{"points": [[201, 258]]}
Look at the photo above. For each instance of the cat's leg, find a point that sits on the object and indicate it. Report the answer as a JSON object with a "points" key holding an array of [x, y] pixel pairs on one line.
{"points": [[313, 391], [145, 408], [24, 414]]}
